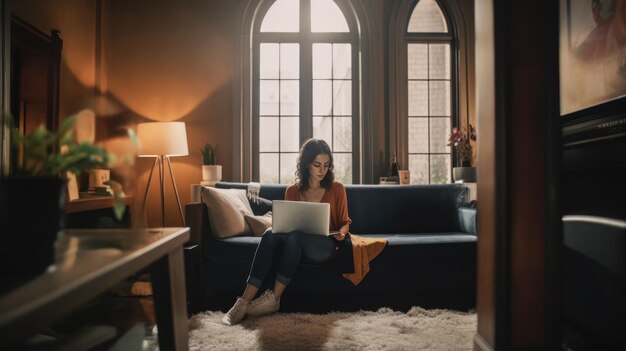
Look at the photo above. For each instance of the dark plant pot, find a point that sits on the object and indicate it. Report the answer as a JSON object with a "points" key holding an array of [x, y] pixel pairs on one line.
{"points": [[32, 211], [466, 174]]}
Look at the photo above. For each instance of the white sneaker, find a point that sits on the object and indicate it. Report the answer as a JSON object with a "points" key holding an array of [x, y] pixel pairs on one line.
{"points": [[264, 304], [236, 313]]}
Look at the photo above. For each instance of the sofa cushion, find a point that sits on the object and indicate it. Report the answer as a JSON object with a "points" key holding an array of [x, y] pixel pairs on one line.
{"points": [[242, 248], [260, 206], [226, 209], [259, 224], [268, 191]]}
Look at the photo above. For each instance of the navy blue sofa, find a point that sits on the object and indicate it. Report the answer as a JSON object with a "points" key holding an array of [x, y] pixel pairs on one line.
{"points": [[430, 258]]}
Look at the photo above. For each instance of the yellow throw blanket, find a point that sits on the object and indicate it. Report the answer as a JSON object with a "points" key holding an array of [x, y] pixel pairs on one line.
{"points": [[364, 250]]}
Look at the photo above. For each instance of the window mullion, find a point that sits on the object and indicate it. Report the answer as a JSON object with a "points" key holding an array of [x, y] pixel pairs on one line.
{"points": [[306, 72], [256, 48]]}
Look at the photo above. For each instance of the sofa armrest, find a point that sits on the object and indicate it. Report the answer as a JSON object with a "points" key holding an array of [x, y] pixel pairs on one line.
{"points": [[197, 219], [467, 220]]}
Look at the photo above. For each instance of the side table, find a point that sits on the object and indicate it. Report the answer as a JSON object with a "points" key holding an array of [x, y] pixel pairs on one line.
{"points": [[91, 261]]}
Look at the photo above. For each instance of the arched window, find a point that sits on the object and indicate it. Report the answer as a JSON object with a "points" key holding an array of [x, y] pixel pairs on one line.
{"points": [[427, 85], [305, 84]]}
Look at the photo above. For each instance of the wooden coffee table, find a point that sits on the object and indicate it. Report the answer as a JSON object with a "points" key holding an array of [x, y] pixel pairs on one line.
{"points": [[91, 261]]}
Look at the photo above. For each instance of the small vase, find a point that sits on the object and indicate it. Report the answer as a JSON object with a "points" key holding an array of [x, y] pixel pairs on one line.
{"points": [[211, 174], [466, 174]]}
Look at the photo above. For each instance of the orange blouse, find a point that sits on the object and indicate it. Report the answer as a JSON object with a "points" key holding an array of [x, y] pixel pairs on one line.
{"points": [[335, 196]]}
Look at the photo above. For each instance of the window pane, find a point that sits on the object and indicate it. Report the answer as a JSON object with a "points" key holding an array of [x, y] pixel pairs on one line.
{"points": [[427, 17], [342, 97], [418, 98], [342, 134], [289, 61], [323, 129], [439, 98], [327, 17], [418, 166], [439, 132], [288, 167], [342, 61], [440, 169], [417, 58], [268, 168], [268, 134], [268, 60], [289, 97], [343, 167], [439, 63], [268, 97], [418, 135], [289, 134], [322, 61], [283, 16], [322, 97]]}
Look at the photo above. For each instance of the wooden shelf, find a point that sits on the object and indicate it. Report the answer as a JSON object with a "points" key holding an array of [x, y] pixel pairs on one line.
{"points": [[94, 203]]}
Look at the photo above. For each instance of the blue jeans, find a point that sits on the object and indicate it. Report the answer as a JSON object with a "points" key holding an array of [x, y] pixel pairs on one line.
{"points": [[288, 249]]}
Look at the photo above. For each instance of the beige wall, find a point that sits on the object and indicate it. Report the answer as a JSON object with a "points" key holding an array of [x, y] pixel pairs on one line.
{"points": [[173, 61]]}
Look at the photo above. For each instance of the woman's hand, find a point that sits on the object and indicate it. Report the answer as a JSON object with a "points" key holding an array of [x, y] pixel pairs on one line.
{"points": [[340, 236], [342, 232]]}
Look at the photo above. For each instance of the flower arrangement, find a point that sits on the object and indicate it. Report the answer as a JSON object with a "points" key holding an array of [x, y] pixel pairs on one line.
{"points": [[461, 140]]}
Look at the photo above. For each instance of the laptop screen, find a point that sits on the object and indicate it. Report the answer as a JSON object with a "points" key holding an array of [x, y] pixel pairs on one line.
{"points": [[306, 217]]}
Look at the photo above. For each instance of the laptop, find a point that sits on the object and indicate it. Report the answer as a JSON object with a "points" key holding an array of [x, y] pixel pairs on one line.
{"points": [[306, 217]]}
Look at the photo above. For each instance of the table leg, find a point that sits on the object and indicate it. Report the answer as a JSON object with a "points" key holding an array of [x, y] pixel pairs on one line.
{"points": [[168, 280]]}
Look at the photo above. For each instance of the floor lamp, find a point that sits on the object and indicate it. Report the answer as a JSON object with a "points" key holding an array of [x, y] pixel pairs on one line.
{"points": [[162, 140]]}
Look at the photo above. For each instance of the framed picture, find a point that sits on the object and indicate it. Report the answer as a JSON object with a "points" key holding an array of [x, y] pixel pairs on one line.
{"points": [[592, 60], [593, 53]]}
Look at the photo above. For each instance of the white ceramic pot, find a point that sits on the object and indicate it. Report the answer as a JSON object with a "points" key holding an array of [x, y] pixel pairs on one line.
{"points": [[211, 174]]}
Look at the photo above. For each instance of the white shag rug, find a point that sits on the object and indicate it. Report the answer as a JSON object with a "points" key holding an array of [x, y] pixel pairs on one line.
{"points": [[385, 329]]}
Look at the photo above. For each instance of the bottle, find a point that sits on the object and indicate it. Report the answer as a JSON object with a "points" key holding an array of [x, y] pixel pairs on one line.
{"points": [[394, 166]]}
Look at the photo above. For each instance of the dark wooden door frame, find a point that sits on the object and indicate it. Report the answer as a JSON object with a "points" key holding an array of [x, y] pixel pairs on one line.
{"points": [[26, 36], [519, 166]]}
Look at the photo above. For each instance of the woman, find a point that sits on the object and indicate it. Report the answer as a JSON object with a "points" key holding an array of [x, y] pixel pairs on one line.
{"points": [[314, 183]]}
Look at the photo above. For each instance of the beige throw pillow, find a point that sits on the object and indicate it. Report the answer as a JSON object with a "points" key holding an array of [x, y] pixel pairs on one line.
{"points": [[227, 208], [259, 224]]}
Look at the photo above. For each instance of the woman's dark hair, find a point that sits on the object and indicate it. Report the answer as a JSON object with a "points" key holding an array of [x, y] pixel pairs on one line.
{"points": [[308, 152]]}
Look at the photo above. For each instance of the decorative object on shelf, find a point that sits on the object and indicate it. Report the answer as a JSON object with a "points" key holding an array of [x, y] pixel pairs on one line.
{"points": [[388, 180], [405, 177], [465, 174], [194, 190], [98, 179], [162, 140], [461, 140], [33, 195], [211, 173], [393, 171]]}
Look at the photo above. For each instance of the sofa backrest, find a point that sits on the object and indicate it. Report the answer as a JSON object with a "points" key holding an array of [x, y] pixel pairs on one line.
{"points": [[397, 209], [392, 209]]}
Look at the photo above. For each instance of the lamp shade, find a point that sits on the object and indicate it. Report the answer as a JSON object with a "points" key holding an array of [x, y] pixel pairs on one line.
{"points": [[162, 138]]}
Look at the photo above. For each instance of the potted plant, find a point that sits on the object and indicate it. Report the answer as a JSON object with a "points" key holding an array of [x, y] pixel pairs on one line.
{"points": [[211, 173], [33, 196], [461, 140]]}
